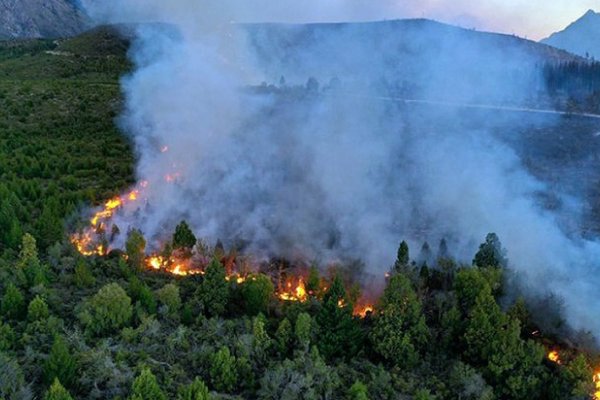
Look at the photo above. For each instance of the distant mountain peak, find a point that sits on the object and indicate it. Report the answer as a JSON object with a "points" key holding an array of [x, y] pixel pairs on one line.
{"points": [[580, 37], [41, 19]]}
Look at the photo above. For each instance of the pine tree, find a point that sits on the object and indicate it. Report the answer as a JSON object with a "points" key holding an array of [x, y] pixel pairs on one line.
{"points": [[10, 227], [145, 387], [303, 330], [491, 253], [57, 392], [83, 276], [37, 310], [135, 248], [29, 262], [257, 293], [443, 250], [13, 303], [482, 327], [28, 256], [261, 342], [213, 292], [141, 293], [339, 335], [183, 238], [399, 333], [358, 391], [425, 256], [7, 337], [60, 364], [283, 336], [170, 298], [222, 371], [403, 257], [313, 281], [49, 224], [196, 390]]}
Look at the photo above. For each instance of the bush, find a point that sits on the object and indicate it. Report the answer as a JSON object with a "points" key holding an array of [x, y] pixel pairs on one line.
{"points": [[257, 291], [108, 310], [83, 276], [169, 297]]}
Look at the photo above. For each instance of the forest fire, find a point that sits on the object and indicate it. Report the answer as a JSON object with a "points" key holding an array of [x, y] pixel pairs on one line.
{"points": [[89, 242], [554, 356], [92, 241], [172, 266], [363, 311], [292, 292]]}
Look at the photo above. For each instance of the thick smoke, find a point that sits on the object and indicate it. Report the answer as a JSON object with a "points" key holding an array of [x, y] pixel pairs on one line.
{"points": [[341, 171]]}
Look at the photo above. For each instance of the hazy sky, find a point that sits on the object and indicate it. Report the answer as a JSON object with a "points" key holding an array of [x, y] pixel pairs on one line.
{"points": [[535, 19]]}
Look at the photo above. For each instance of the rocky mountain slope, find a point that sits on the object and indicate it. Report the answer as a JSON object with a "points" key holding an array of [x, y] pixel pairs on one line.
{"points": [[582, 37], [40, 19]]}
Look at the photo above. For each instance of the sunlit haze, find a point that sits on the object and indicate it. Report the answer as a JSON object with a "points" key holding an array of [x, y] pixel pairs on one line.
{"points": [[534, 19]]}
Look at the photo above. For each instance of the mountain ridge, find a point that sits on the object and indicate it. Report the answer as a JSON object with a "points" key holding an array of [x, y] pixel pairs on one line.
{"points": [[27, 19], [580, 37]]}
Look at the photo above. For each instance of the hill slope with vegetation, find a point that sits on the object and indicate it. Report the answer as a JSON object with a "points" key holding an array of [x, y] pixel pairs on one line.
{"points": [[111, 328]]}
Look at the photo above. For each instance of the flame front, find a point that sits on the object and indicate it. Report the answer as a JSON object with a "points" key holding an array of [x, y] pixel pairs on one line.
{"points": [[554, 357], [155, 262], [86, 242], [291, 293], [363, 311], [92, 242]]}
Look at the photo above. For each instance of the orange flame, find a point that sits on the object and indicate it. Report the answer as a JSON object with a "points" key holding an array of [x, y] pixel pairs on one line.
{"points": [[91, 243], [291, 293], [363, 311], [179, 270], [86, 242], [554, 357], [133, 196], [155, 262], [597, 386]]}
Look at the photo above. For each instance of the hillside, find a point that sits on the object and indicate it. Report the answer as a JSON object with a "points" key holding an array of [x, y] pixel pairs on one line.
{"points": [[581, 37], [40, 19], [59, 147], [419, 57], [116, 325]]}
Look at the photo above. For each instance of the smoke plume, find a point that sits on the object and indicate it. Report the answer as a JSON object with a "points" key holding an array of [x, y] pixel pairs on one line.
{"points": [[341, 171]]}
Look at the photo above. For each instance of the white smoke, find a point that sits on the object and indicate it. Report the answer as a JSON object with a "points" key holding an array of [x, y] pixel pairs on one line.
{"points": [[336, 175]]}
